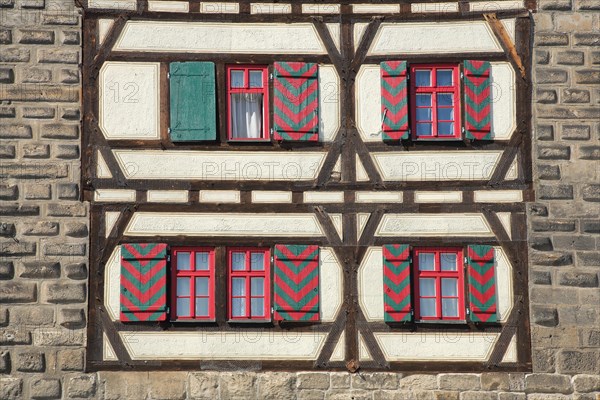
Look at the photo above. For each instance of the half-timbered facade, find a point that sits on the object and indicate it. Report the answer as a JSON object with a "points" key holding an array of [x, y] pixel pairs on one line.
{"points": [[307, 185]]}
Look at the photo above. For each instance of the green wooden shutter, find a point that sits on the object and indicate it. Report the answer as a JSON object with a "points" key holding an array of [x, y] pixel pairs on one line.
{"points": [[394, 100], [296, 283], [477, 86], [482, 283], [193, 101], [396, 283], [143, 282]]}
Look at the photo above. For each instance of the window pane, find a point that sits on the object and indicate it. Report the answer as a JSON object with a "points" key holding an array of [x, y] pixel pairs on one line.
{"points": [[202, 261], [257, 286], [423, 78], [424, 100], [257, 261], [427, 307], [238, 287], [449, 287], [423, 114], [445, 99], [445, 128], [445, 114], [257, 307], [424, 129], [426, 287], [450, 307], [183, 307], [183, 286], [448, 261], [238, 261], [256, 80], [201, 286], [426, 262], [246, 115], [237, 79], [444, 77], [238, 307], [183, 261], [202, 307]]}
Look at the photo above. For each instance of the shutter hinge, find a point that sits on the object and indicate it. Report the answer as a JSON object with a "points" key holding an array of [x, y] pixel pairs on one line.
{"points": [[468, 311], [272, 259], [462, 129], [271, 76], [168, 258], [465, 260], [168, 310], [271, 131], [168, 75], [169, 131], [462, 75]]}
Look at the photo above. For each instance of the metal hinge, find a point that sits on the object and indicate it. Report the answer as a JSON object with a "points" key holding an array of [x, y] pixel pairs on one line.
{"points": [[168, 75], [462, 75], [271, 76], [169, 258]]}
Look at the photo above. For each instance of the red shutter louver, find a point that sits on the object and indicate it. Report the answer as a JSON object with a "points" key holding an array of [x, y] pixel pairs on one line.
{"points": [[482, 283], [478, 100], [396, 283], [394, 100]]}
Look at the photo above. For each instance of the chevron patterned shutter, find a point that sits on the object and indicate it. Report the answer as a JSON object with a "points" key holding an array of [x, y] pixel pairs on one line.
{"points": [[478, 99], [296, 283], [143, 282], [296, 101], [396, 283], [482, 283], [193, 101], [394, 100]]}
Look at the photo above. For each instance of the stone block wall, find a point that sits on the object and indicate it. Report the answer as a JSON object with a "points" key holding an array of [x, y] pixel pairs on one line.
{"points": [[44, 232]]}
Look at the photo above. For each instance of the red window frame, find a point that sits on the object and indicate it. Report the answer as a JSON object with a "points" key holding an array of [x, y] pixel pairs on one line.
{"points": [[247, 273], [434, 90], [192, 274], [438, 274], [246, 89]]}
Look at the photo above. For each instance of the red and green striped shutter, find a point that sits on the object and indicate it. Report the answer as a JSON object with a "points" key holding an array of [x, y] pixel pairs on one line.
{"points": [[296, 283], [478, 100], [143, 282], [296, 102], [396, 283], [482, 283], [394, 100]]}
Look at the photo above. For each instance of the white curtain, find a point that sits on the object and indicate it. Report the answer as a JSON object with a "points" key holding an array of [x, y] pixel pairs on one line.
{"points": [[246, 115]]}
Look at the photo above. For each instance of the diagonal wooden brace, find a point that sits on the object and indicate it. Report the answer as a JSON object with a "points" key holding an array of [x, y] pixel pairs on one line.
{"points": [[505, 40]]}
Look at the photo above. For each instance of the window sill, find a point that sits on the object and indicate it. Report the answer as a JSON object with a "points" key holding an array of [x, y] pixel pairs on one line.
{"points": [[442, 321], [249, 321], [193, 321]]}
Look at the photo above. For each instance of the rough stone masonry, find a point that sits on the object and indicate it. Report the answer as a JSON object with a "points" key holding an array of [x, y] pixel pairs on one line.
{"points": [[44, 232]]}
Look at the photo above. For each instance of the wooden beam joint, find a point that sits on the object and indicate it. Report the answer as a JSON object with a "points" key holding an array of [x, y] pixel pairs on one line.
{"points": [[505, 41]]}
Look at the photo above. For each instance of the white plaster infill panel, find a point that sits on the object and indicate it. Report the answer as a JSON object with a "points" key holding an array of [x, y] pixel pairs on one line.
{"points": [[112, 284], [114, 195], [339, 350], [363, 351], [334, 31], [429, 225], [237, 345], [511, 352], [320, 8], [368, 103], [167, 196], [329, 103], [437, 165], [504, 284], [108, 354], [331, 284], [219, 196], [206, 37], [438, 196], [270, 8], [379, 197], [110, 219], [504, 100], [494, 6], [423, 8], [168, 6], [376, 8], [214, 7], [104, 26], [271, 196], [438, 346], [113, 4], [219, 166], [498, 196], [323, 197], [224, 224], [446, 37], [370, 284], [128, 89], [359, 30]]}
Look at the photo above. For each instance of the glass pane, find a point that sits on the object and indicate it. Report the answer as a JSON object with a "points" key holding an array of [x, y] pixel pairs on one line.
{"points": [[237, 79], [256, 80], [445, 114], [448, 261], [427, 307], [238, 307], [183, 261], [183, 307], [238, 287], [426, 262], [423, 114], [427, 287], [202, 261], [238, 261], [257, 307], [424, 129], [450, 307], [201, 286], [449, 287], [424, 100], [444, 77], [257, 261], [202, 307], [423, 78], [257, 286], [445, 99], [246, 115], [445, 128], [183, 286]]}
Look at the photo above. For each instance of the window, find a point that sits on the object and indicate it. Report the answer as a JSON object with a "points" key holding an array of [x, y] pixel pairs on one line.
{"points": [[439, 287], [247, 102], [249, 283], [193, 283], [435, 100]]}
